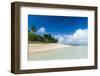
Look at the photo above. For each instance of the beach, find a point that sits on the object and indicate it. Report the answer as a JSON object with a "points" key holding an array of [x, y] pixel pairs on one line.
{"points": [[45, 47], [54, 51]]}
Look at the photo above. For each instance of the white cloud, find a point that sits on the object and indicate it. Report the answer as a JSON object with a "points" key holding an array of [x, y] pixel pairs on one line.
{"points": [[41, 30], [79, 37]]}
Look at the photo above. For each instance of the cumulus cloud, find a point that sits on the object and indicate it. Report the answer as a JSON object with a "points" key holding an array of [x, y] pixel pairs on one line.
{"points": [[80, 36], [41, 30]]}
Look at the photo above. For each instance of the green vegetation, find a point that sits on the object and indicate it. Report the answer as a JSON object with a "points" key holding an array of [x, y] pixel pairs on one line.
{"points": [[45, 38]]}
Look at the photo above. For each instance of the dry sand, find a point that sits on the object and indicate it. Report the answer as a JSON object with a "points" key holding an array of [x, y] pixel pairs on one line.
{"points": [[45, 47]]}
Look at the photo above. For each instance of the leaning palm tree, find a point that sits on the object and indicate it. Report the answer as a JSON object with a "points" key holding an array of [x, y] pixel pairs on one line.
{"points": [[33, 29]]}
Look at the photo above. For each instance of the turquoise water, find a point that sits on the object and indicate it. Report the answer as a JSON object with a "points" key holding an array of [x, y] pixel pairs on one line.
{"points": [[72, 52]]}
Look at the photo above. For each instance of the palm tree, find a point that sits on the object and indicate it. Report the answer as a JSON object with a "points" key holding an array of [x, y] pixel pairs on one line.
{"points": [[33, 29], [47, 37]]}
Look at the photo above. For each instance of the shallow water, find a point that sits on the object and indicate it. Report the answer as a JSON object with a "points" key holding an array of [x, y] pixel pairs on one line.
{"points": [[72, 52]]}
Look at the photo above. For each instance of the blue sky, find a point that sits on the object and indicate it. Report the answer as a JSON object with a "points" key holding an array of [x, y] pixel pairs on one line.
{"points": [[58, 25]]}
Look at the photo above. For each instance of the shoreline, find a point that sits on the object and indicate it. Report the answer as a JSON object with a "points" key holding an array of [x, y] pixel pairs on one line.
{"points": [[45, 47]]}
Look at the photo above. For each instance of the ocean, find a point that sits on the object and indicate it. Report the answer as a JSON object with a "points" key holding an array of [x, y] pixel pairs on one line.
{"points": [[71, 52]]}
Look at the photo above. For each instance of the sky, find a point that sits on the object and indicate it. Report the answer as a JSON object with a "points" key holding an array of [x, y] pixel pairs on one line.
{"points": [[67, 29]]}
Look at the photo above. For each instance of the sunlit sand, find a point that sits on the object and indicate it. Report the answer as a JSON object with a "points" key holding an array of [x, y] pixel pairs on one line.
{"points": [[45, 47]]}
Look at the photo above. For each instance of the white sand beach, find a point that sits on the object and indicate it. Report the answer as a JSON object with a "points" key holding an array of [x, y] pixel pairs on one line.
{"points": [[56, 51], [45, 47]]}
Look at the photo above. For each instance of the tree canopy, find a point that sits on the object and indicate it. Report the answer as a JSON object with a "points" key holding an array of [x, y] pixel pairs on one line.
{"points": [[33, 36]]}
